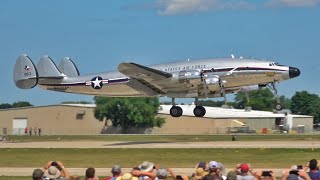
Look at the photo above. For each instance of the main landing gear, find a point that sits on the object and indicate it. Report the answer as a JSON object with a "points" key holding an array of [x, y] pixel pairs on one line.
{"points": [[176, 111], [273, 87]]}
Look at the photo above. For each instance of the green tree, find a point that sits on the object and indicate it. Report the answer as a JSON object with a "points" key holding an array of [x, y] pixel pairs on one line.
{"points": [[211, 103], [129, 112], [5, 106], [262, 99], [307, 104], [21, 104]]}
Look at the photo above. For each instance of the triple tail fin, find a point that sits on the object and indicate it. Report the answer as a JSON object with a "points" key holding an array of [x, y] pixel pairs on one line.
{"points": [[26, 75], [68, 67], [48, 69]]}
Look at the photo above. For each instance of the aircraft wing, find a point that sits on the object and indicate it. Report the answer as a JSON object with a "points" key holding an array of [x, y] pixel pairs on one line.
{"points": [[141, 72]]}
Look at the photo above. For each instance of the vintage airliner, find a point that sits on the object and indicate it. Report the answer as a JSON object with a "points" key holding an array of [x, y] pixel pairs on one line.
{"points": [[202, 78]]}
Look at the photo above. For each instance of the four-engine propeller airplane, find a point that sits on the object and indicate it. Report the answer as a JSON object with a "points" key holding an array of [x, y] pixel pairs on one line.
{"points": [[203, 78]]}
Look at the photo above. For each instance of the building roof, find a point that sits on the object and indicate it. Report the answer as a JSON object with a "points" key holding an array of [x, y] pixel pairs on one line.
{"points": [[218, 112], [211, 112], [71, 105]]}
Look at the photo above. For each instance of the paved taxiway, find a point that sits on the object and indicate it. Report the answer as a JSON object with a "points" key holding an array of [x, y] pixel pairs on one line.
{"points": [[123, 144]]}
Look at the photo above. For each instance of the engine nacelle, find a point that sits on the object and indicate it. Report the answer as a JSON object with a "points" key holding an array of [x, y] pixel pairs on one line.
{"points": [[187, 76], [214, 79]]}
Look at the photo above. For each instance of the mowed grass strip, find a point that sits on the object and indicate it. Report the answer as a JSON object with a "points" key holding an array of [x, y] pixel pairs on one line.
{"points": [[165, 138], [260, 158], [15, 177]]}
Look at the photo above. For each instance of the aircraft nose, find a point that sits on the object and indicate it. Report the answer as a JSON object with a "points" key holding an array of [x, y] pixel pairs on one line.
{"points": [[294, 72]]}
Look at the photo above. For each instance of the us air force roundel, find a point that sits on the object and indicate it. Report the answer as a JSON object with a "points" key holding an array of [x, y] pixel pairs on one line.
{"points": [[97, 82]]}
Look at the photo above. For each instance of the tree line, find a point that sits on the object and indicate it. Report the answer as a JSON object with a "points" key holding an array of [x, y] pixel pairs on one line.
{"points": [[15, 105], [301, 102]]}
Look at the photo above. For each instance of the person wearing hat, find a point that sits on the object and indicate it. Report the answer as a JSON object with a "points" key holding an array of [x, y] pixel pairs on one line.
{"points": [[116, 172], [214, 171], [199, 174], [244, 172], [146, 171], [37, 174], [143, 175], [56, 170], [127, 176]]}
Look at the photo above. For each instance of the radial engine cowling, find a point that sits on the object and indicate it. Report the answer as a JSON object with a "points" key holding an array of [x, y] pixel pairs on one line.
{"points": [[214, 79], [188, 76]]}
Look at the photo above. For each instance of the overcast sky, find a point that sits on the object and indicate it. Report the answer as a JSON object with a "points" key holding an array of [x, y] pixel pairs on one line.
{"points": [[98, 35]]}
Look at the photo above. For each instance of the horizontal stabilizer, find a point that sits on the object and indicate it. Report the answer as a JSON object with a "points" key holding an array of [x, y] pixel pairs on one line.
{"points": [[68, 67], [48, 69], [25, 74]]}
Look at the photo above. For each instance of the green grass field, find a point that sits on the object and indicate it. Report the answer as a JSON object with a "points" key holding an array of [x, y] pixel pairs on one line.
{"points": [[259, 158], [164, 138], [15, 177], [262, 158]]}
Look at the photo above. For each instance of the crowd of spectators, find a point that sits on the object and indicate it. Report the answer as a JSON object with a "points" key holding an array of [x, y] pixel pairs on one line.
{"points": [[203, 171]]}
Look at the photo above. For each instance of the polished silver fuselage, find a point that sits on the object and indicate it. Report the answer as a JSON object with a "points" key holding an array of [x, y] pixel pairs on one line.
{"points": [[233, 75]]}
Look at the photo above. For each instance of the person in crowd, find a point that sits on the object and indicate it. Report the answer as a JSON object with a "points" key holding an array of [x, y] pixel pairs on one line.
{"points": [[56, 171], [214, 171], [116, 172], [162, 174], [74, 178], [313, 170], [199, 174], [201, 170], [127, 176], [264, 175], [295, 174], [143, 175], [39, 131], [37, 174], [90, 174], [35, 129], [30, 131], [244, 172], [203, 165], [232, 175], [146, 171]]}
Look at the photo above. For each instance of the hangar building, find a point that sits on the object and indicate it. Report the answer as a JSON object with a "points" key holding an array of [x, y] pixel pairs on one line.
{"points": [[72, 119]]}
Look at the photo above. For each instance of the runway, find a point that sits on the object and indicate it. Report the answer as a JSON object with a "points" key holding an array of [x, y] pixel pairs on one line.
{"points": [[129, 144]]}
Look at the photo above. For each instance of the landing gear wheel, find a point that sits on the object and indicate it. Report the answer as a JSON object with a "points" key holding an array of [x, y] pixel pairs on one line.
{"points": [[199, 111], [176, 111], [278, 107]]}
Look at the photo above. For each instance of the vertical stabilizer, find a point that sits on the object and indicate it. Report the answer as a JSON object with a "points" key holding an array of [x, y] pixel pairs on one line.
{"points": [[68, 67], [25, 74], [48, 69]]}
